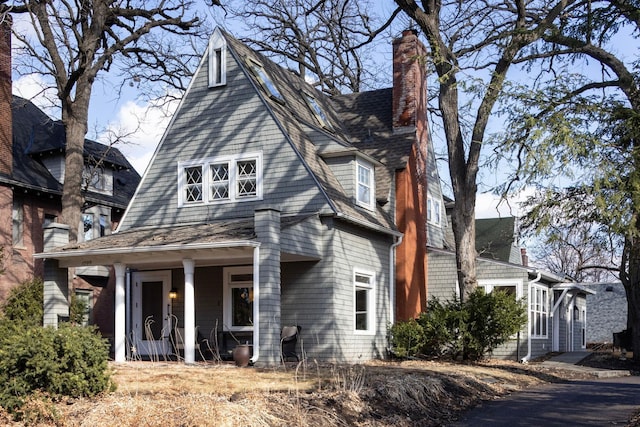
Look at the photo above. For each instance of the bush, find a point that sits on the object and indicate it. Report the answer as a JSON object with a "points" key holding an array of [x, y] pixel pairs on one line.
{"points": [[24, 303], [407, 338], [452, 329], [492, 319], [69, 361]]}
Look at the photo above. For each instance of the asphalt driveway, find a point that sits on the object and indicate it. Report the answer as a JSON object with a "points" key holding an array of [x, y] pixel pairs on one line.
{"points": [[600, 402]]}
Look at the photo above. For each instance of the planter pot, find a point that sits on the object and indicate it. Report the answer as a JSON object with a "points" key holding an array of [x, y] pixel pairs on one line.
{"points": [[241, 355]]}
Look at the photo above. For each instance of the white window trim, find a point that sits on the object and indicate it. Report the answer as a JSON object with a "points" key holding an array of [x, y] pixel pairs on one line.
{"points": [[372, 186], [226, 296], [217, 42], [206, 179], [371, 301], [531, 310], [432, 217], [489, 284]]}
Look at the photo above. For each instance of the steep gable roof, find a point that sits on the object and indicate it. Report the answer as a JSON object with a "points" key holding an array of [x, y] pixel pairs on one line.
{"points": [[36, 135], [295, 118]]}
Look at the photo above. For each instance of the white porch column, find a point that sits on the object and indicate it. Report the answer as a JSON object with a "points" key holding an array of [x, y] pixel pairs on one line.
{"points": [[189, 312], [120, 313]]}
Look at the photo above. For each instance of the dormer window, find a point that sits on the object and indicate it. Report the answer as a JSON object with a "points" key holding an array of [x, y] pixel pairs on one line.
{"points": [[220, 179], [318, 112], [265, 81], [98, 179], [217, 60], [365, 190]]}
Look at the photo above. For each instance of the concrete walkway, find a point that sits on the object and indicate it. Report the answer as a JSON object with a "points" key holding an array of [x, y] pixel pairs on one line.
{"points": [[570, 360]]}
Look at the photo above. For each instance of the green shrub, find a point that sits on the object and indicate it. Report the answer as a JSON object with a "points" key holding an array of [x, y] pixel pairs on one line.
{"points": [[470, 329], [407, 338], [24, 303], [69, 361], [492, 319]]}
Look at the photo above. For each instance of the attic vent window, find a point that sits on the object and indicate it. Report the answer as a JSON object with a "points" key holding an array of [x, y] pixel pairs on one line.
{"points": [[317, 110], [265, 81], [220, 179], [217, 60]]}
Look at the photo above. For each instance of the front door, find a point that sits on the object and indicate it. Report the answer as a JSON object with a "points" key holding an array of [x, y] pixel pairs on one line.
{"points": [[151, 312]]}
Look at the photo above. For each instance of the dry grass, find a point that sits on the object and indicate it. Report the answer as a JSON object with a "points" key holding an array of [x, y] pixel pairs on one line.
{"points": [[414, 393]]}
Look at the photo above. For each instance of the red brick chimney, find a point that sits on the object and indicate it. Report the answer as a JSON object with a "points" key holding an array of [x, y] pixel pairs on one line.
{"points": [[6, 121], [525, 257], [409, 80]]}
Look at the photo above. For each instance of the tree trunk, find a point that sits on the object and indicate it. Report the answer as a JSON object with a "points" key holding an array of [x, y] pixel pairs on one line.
{"points": [[74, 118], [464, 229]]}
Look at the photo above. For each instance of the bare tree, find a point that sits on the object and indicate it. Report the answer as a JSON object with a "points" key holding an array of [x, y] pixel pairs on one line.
{"points": [[584, 129], [323, 40], [580, 252], [486, 36], [73, 42]]}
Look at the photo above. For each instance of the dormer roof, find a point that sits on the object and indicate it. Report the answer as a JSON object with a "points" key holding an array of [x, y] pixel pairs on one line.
{"points": [[36, 135]]}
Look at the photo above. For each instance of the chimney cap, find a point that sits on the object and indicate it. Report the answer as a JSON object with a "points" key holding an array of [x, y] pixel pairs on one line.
{"points": [[409, 32]]}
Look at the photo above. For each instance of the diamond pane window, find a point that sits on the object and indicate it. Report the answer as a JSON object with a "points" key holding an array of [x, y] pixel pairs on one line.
{"points": [[247, 184], [220, 181], [193, 187]]}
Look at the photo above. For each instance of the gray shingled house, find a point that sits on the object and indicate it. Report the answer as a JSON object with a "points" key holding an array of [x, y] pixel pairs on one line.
{"points": [[557, 309], [268, 204]]}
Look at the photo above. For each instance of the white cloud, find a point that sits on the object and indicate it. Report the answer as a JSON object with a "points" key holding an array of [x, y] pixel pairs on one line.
{"points": [[34, 88], [140, 128]]}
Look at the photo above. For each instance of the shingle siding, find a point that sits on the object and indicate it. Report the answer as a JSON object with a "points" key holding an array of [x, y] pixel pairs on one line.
{"points": [[606, 312], [228, 120], [319, 296]]}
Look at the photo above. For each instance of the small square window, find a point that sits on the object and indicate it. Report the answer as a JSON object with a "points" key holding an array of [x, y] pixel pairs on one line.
{"points": [[193, 187]]}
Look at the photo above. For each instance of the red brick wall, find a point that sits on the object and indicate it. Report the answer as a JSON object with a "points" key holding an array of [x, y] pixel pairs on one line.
{"points": [[409, 112], [18, 262]]}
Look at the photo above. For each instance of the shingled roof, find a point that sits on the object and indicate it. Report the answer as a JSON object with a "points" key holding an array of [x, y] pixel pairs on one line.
{"points": [[36, 136], [359, 122]]}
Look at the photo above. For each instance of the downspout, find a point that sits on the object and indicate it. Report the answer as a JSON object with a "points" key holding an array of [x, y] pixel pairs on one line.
{"points": [[256, 304], [526, 358], [392, 279]]}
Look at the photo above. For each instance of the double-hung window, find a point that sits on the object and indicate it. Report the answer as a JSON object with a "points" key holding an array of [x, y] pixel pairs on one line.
{"points": [[539, 308], [434, 210], [364, 301], [365, 190], [220, 179]]}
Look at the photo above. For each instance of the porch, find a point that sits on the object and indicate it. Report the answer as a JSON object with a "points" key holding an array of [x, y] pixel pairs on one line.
{"points": [[233, 267]]}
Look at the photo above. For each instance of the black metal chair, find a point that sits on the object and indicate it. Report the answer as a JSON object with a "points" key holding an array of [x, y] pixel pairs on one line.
{"points": [[288, 341]]}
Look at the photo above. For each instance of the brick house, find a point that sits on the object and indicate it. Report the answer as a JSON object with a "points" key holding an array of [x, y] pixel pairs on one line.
{"points": [[31, 174]]}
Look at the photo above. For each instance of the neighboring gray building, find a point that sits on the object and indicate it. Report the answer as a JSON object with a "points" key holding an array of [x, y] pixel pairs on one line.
{"points": [[557, 310], [607, 312]]}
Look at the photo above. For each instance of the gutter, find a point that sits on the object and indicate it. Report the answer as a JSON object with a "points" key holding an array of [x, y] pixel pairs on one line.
{"points": [[392, 279], [256, 304], [526, 358]]}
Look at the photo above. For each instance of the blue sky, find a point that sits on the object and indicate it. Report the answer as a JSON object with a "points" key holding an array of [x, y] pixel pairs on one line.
{"points": [[145, 122]]}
